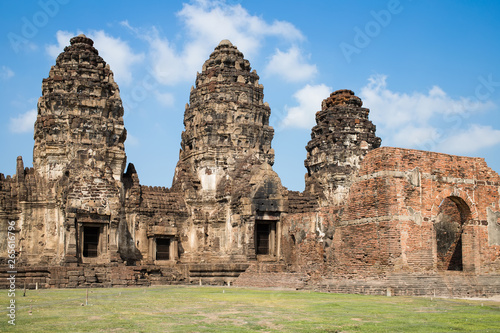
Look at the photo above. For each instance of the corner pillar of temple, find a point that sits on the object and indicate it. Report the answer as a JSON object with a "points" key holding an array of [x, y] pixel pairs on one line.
{"points": [[71, 249], [114, 255]]}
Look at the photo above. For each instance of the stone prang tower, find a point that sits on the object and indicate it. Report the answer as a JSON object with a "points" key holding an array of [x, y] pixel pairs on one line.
{"points": [[225, 160], [79, 155], [339, 141], [226, 120], [80, 114]]}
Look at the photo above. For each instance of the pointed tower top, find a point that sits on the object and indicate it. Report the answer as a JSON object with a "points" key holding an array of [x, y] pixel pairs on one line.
{"points": [[79, 79], [225, 42], [342, 97], [81, 39], [226, 120]]}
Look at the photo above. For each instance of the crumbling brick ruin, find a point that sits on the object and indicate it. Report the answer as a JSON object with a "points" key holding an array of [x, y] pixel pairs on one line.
{"points": [[371, 219], [333, 156]]}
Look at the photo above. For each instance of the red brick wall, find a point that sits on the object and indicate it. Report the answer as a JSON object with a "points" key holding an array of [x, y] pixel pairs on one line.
{"points": [[407, 188], [388, 223]]}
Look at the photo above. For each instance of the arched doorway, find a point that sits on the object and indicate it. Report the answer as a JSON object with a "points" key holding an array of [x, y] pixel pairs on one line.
{"points": [[452, 216]]}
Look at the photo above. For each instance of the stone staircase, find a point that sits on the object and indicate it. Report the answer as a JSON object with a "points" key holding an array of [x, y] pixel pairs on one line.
{"points": [[31, 277], [271, 275], [443, 284], [215, 274]]}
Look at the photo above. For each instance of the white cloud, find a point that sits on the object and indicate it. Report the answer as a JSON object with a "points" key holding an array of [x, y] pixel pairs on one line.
{"points": [[62, 38], [24, 122], [410, 136], [394, 109], [471, 140], [290, 65], [165, 99], [428, 121], [206, 23], [309, 101], [168, 65], [117, 54], [6, 73], [213, 21], [114, 51]]}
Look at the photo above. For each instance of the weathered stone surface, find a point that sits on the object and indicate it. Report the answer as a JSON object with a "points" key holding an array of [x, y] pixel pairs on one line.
{"points": [[339, 141], [79, 116], [225, 160], [406, 211], [372, 219], [78, 161]]}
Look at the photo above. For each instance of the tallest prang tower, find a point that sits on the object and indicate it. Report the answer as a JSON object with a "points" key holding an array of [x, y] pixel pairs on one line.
{"points": [[225, 161]]}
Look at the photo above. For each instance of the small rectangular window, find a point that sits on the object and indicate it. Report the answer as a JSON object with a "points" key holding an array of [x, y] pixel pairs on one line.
{"points": [[262, 238], [162, 249], [91, 241]]}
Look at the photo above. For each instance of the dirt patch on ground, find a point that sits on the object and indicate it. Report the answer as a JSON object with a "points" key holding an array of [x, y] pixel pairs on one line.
{"points": [[495, 298]]}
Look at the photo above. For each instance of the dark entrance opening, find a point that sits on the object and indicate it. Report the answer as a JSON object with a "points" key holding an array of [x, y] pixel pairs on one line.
{"points": [[162, 249], [453, 214], [456, 263], [91, 241], [262, 237]]}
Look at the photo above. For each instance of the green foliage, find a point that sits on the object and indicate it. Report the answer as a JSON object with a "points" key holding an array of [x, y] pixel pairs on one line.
{"points": [[218, 309]]}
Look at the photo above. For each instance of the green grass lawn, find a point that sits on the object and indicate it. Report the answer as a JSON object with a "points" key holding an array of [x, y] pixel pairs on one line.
{"points": [[218, 309]]}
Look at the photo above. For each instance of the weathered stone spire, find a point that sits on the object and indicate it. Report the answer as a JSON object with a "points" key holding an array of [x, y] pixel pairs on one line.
{"points": [[224, 168], [79, 154], [226, 119], [342, 137], [80, 114]]}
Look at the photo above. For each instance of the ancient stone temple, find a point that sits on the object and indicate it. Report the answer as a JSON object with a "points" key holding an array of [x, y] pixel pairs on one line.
{"points": [[372, 219]]}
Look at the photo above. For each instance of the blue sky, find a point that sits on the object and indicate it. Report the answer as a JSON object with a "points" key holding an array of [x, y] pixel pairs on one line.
{"points": [[428, 70]]}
